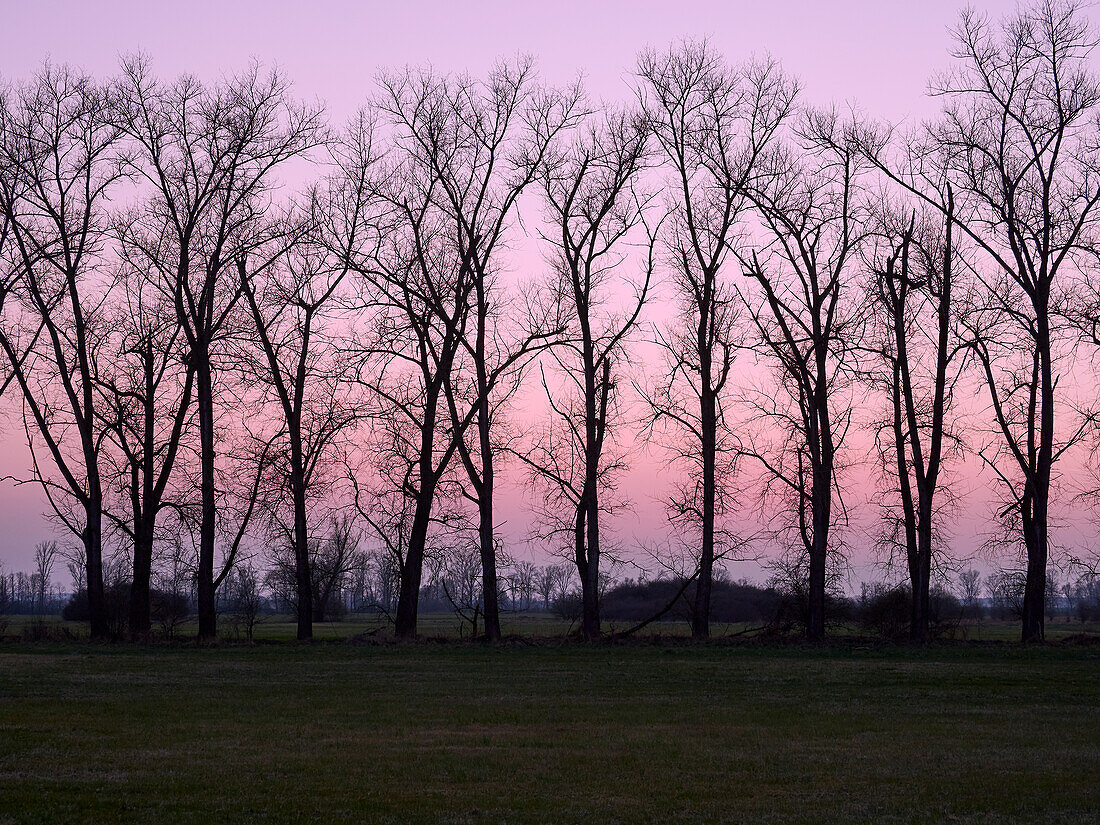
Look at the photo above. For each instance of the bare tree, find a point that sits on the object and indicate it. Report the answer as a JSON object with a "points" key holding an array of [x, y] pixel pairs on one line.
{"points": [[58, 161], [76, 561], [810, 231], [483, 142], [45, 556], [553, 581], [524, 582], [457, 573], [289, 297], [147, 399], [10, 268], [245, 599], [594, 210], [334, 565], [970, 591], [385, 501], [713, 124], [7, 598], [417, 288], [173, 580], [209, 155], [1017, 142], [377, 578], [332, 560], [919, 351]]}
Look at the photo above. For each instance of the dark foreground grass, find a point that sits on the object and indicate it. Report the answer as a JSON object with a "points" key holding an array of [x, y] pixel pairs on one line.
{"points": [[548, 734]]}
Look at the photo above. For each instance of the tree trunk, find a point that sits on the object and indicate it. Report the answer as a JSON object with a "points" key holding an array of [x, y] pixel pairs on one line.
{"points": [[920, 568], [303, 577], [205, 583], [1035, 531], [488, 563], [595, 427], [916, 517], [815, 625], [487, 484], [821, 502], [700, 620], [821, 497], [142, 491], [590, 583], [1035, 538], [139, 619], [93, 550], [413, 569]]}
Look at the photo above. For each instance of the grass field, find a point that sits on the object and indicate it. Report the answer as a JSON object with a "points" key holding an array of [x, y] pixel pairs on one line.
{"points": [[533, 625], [548, 733]]}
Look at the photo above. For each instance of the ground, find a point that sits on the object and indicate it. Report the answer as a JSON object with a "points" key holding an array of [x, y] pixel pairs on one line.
{"points": [[548, 732]]}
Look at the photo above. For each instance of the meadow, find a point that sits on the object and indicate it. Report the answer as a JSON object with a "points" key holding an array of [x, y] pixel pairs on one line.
{"points": [[540, 730], [534, 625]]}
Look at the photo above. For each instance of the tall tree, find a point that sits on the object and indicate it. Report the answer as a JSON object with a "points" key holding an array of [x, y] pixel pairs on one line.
{"points": [[147, 399], [713, 123], [484, 141], [209, 155], [919, 350], [45, 557], [595, 210], [58, 162], [809, 233], [417, 291], [1018, 143], [290, 298]]}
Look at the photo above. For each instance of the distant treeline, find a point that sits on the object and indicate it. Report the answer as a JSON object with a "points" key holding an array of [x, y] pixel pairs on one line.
{"points": [[880, 610]]}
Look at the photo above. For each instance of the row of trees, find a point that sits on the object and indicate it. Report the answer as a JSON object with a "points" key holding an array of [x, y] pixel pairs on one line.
{"points": [[202, 357], [33, 591], [347, 580]]}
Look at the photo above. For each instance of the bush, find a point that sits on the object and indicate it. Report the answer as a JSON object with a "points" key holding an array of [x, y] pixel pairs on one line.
{"points": [[39, 630], [792, 609], [567, 607], [1083, 598], [791, 581], [945, 613], [884, 610], [76, 608], [169, 609], [117, 597], [636, 601]]}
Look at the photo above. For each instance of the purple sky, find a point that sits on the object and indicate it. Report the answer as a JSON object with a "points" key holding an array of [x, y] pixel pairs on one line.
{"points": [[877, 54]]}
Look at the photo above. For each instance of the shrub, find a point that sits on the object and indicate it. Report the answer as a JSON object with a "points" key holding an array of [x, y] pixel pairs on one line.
{"points": [[636, 601], [884, 610], [117, 597], [168, 609], [945, 612], [567, 606]]}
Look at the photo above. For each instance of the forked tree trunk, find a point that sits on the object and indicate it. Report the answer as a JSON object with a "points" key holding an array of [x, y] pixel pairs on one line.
{"points": [[412, 570], [590, 589]]}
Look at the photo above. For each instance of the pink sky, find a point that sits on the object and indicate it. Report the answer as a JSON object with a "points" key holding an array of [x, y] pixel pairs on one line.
{"points": [[876, 54]]}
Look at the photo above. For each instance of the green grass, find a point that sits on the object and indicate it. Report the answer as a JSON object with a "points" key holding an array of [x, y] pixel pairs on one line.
{"points": [[548, 733], [431, 625], [532, 625]]}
